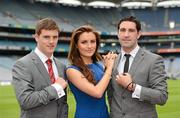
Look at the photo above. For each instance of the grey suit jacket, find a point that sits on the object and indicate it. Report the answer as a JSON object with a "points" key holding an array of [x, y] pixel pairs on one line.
{"points": [[36, 97], [147, 70]]}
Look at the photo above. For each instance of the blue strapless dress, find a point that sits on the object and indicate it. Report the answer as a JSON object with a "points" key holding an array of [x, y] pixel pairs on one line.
{"points": [[88, 106]]}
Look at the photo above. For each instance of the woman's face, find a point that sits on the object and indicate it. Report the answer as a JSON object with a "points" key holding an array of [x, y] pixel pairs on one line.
{"points": [[87, 45]]}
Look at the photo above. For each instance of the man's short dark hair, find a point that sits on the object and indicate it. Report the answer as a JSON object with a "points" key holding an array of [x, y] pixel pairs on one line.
{"points": [[47, 24], [131, 19]]}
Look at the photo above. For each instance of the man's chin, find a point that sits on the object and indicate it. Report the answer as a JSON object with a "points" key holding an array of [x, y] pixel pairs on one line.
{"points": [[51, 52], [126, 46]]}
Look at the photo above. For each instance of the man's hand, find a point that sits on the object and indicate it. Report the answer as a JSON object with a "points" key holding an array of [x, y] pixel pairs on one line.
{"points": [[61, 82], [126, 81]]}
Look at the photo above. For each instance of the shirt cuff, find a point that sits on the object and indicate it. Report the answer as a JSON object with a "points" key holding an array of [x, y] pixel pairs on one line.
{"points": [[59, 89], [137, 91]]}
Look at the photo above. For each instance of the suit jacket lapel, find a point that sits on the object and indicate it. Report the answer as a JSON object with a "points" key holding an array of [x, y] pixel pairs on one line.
{"points": [[116, 63], [137, 60], [60, 68], [39, 64]]}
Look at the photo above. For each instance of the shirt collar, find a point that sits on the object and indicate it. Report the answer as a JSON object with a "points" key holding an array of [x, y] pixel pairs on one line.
{"points": [[42, 56], [132, 53]]}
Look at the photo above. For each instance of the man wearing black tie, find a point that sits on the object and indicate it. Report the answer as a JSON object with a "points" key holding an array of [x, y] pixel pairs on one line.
{"points": [[139, 78]]}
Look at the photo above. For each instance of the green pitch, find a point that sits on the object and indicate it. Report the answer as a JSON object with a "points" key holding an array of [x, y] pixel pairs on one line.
{"points": [[10, 109]]}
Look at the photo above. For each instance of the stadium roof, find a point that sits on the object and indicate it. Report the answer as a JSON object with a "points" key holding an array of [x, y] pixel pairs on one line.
{"points": [[118, 3]]}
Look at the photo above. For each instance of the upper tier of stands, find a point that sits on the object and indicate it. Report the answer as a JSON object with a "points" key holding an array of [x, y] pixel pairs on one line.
{"points": [[21, 13]]}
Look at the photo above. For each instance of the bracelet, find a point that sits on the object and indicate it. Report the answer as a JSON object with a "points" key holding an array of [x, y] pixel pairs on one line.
{"points": [[132, 86], [107, 73], [129, 85]]}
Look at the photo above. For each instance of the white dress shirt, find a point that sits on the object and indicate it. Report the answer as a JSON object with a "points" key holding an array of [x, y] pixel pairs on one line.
{"points": [[137, 91], [43, 58]]}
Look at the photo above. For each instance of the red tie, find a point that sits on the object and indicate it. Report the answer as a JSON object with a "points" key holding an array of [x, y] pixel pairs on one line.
{"points": [[50, 69]]}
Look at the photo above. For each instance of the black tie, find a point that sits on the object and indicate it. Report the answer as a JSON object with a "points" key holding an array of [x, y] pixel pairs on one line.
{"points": [[126, 65]]}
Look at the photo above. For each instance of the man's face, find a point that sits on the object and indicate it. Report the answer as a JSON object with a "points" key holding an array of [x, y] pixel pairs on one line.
{"points": [[128, 35], [47, 41]]}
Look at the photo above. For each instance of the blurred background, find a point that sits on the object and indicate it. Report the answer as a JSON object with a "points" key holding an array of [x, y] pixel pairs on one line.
{"points": [[160, 21]]}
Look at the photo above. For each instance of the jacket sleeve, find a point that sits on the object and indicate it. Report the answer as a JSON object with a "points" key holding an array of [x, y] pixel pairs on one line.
{"points": [[156, 93]]}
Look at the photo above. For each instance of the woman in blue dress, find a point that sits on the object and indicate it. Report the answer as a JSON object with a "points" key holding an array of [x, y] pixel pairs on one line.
{"points": [[87, 77]]}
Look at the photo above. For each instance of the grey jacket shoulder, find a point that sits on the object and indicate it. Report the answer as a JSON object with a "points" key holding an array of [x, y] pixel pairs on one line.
{"points": [[59, 62], [23, 59], [150, 55]]}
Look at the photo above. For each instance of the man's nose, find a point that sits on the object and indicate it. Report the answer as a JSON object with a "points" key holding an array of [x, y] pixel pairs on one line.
{"points": [[126, 33], [51, 40]]}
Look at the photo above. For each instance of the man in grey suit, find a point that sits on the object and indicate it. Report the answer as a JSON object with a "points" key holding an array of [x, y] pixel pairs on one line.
{"points": [[37, 95], [135, 89]]}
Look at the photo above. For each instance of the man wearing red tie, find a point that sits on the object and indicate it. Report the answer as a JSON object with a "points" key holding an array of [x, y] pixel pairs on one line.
{"points": [[38, 77]]}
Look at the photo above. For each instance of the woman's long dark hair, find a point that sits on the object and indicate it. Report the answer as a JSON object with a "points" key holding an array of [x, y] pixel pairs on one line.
{"points": [[74, 55]]}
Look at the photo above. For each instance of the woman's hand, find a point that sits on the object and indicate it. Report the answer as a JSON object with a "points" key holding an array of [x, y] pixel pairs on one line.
{"points": [[109, 61]]}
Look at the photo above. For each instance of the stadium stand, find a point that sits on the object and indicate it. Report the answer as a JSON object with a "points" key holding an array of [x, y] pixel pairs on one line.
{"points": [[5, 68], [25, 14], [18, 18]]}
